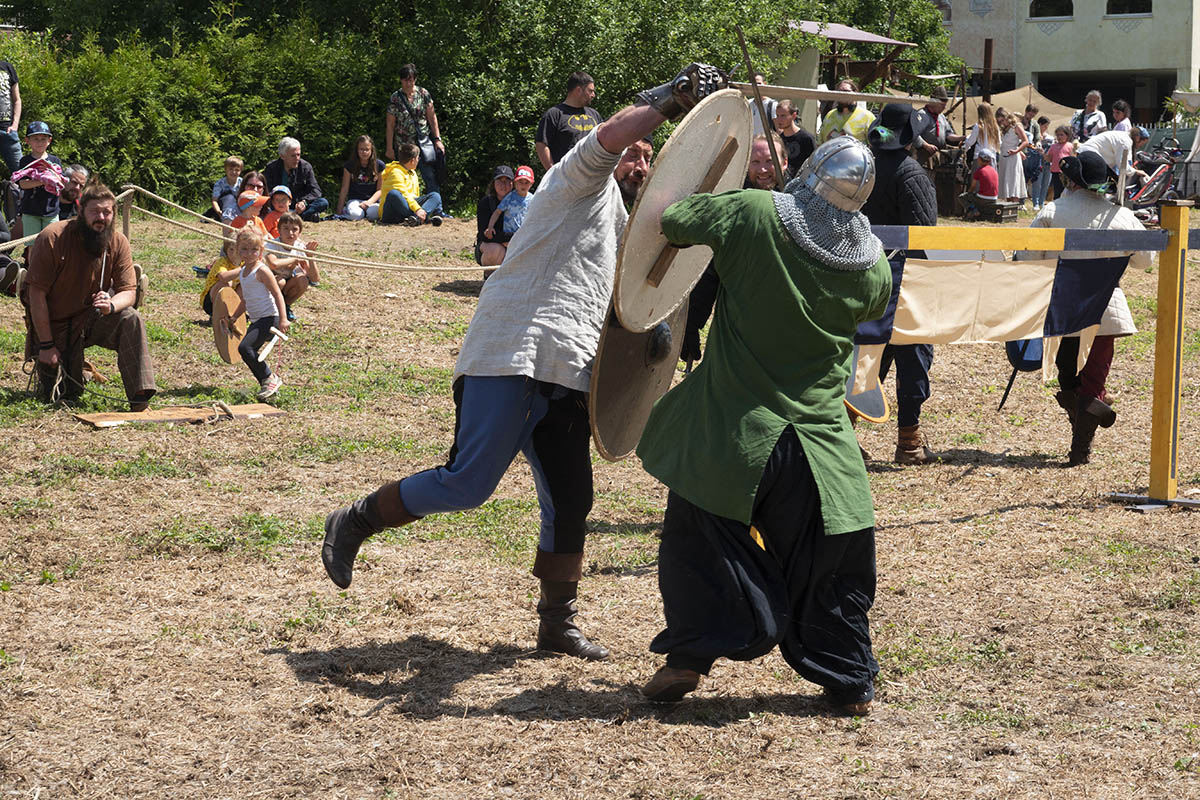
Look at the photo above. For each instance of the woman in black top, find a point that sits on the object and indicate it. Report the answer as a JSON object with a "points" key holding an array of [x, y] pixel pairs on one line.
{"points": [[490, 252]]}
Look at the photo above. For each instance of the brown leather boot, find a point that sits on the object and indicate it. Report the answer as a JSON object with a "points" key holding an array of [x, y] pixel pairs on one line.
{"points": [[670, 684], [1099, 409], [557, 631], [910, 447], [347, 528], [1084, 431]]}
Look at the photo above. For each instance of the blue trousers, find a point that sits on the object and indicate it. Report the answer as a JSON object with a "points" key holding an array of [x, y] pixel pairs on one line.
{"points": [[1041, 185], [912, 378], [497, 417], [395, 207], [429, 177], [10, 150], [314, 209]]}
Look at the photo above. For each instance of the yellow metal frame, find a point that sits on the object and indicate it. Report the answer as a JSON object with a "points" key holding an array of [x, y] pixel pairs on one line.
{"points": [[1168, 354]]}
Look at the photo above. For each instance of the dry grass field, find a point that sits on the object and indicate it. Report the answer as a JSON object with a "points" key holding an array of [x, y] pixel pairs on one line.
{"points": [[167, 631]]}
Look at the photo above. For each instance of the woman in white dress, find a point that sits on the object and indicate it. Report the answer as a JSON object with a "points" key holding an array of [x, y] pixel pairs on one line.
{"points": [[985, 134], [1013, 143]]}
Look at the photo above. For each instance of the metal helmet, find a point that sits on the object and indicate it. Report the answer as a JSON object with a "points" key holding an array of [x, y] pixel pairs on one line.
{"points": [[842, 172]]}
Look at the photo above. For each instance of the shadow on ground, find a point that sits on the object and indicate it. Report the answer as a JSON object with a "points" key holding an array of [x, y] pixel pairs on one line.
{"points": [[460, 288], [431, 670]]}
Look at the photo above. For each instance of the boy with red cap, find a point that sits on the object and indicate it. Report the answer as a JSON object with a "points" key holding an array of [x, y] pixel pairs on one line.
{"points": [[514, 205]]}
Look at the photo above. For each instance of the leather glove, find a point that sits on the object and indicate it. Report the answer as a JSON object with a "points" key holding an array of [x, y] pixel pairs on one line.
{"points": [[679, 95]]}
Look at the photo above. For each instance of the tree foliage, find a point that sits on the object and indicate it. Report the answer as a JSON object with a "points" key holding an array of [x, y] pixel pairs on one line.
{"points": [[158, 93]]}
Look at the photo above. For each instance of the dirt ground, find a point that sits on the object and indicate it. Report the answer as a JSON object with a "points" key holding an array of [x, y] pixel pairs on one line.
{"points": [[166, 628]]}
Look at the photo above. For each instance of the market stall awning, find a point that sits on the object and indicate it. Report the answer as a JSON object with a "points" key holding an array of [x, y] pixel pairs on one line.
{"points": [[844, 33]]}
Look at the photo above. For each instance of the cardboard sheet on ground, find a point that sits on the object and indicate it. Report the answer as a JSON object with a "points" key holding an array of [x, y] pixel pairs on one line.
{"points": [[114, 419]]}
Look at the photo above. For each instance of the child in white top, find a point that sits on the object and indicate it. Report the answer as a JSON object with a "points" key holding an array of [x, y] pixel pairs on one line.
{"points": [[263, 304]]}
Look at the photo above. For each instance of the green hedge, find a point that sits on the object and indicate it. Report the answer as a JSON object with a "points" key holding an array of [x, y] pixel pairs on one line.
{"points": [[166, 113]]}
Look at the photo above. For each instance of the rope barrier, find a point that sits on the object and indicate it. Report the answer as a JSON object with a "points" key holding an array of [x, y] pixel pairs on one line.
{"points": [[326, 257]]}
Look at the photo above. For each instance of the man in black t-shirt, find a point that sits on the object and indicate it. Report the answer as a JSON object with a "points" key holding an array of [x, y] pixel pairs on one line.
{"points": [[798, 142], [566, 123]]}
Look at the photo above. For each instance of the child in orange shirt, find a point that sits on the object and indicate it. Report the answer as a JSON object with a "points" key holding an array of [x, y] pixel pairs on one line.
{"points": [[281, 201]]}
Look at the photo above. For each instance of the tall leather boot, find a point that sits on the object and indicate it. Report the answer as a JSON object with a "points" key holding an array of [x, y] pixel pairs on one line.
{"points": [[347, 528], [1084, 430], [1068, 401], [557, 631], [910, 447]]}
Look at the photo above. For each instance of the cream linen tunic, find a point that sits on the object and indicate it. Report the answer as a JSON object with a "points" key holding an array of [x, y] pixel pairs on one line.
{"points": [[1080, 208], [540, 313]]}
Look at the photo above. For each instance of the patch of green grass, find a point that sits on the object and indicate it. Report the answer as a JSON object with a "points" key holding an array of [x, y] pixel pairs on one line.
{"points": [[509, 527], [995, 717], [452, 331], [332, 449], [18, 406], [318, 613], [161, 335], [259, 534], [1180, 592], [26, 507], [5, 659], [969, 438], [362, 384], [12, 341], [56, 470], [913, 652]]}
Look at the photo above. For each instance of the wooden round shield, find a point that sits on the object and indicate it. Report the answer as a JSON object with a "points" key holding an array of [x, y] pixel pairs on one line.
{"points": [[708, 152], [631, 371], [227, 337]]}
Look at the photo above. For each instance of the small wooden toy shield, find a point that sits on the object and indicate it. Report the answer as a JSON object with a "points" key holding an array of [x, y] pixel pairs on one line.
{"points": [[708, 152], [870, 404], [630, 373], [227, 338]]}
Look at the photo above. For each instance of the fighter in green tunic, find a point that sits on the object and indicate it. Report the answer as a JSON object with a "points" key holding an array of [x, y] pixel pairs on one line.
{"points": [[769, 530]]}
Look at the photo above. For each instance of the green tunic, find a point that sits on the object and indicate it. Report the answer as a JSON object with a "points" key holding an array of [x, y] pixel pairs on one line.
{"points": [[778, 354]]}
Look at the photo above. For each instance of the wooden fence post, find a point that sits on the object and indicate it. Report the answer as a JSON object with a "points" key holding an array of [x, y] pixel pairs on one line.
{"points": [[1168, 353]]}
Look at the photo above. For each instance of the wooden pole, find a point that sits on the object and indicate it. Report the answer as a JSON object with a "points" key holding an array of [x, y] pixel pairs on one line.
{"points": [[126, 207], [1168, 352], [768, 125], [987, 70]]}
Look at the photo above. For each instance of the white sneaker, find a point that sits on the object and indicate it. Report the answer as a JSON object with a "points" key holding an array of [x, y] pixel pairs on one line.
{"points": [[270, 386]]}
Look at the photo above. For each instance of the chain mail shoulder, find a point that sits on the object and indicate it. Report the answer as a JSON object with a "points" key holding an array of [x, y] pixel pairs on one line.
{"points": [[837, 238]]}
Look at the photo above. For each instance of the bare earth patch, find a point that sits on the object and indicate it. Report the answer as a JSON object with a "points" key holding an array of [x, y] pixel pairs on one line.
{"points": [[166, 629]]}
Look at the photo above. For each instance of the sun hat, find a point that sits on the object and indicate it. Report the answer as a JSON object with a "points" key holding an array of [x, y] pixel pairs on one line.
{"points": [[281, 189], [251, 199], [1089, 170], [895, 128], [524, 174], [503, 171], [38, 127]]}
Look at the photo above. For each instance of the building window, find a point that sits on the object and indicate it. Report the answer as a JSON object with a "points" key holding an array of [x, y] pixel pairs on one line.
{"points": [[944, 7], [1052, 8], [1129, 7]]}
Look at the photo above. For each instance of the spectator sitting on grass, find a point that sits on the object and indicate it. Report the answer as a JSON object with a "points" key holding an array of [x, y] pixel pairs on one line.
{"points": [[293, 268], [362, 177], [277, 206], [294, 172], [490, 253], [402, 201], [225, 191], [514, 205]]}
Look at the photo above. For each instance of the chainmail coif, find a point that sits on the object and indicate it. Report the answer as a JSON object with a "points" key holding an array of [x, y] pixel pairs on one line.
{"points": [[840, 239]]}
